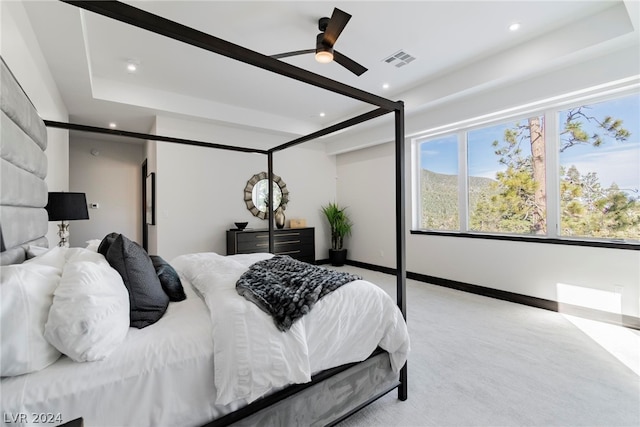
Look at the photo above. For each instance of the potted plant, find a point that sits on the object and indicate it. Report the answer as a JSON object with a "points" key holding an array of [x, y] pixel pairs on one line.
{"points": [[340, 227]]}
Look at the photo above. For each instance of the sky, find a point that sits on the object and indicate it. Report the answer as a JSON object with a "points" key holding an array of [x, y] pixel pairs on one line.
{"points": [[614, 161]]}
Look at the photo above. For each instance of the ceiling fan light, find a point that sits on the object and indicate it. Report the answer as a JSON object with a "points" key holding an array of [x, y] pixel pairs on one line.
{"points": [[324, 53], [324, 56]]}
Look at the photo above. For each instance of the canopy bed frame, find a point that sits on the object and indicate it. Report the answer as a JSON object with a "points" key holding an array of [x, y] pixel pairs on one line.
{"points": [[162, 26]]}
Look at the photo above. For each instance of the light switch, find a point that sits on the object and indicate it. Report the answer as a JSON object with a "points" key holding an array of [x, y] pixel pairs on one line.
{"points": [[94, 205]]}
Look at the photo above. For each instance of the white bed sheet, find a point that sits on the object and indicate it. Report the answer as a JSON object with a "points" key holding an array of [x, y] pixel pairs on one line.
{"points": [[178, 358], [344, 326], [173, 384]]}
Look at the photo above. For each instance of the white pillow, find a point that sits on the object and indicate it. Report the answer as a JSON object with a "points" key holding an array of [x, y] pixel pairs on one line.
{"points": [[89, 317], [54, 257], [93, 244], [26, 294], [33, 251]]}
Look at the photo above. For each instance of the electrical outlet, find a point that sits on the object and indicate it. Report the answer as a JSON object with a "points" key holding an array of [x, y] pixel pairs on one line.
{"points": [[381, 253]]}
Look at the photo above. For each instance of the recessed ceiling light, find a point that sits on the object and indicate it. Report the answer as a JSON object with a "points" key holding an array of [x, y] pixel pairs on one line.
{"points": [[131, 67], [385, 86], [514, 27], [322, 114], [112, 125]]}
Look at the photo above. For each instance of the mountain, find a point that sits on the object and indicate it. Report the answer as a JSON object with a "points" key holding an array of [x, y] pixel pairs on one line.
{"points": [[439, 198]]}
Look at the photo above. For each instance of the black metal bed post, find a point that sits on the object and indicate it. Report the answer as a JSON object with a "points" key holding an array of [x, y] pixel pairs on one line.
{"points": [[401, 262], [270, 199], [158, 25]]}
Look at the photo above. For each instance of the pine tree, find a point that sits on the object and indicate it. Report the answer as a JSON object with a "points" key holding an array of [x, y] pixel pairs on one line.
{"points": [[517, 203]]}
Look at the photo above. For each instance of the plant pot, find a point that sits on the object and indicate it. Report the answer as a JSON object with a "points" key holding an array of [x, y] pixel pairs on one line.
{"points": [[337, 257]]}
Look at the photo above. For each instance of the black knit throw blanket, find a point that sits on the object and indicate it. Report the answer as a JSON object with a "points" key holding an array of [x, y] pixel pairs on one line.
{"points": [[287, 288]]}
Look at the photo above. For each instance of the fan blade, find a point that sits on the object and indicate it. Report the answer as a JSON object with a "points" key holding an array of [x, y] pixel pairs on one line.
{"points": [[348, 63], [336, 24], [294, 53]]}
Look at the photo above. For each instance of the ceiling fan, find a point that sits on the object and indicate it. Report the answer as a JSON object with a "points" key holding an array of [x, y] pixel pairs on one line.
{"points": [[330, 30]]}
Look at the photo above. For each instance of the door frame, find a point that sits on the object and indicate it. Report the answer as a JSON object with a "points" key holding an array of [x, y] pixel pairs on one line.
{"points": [[145, 228]]}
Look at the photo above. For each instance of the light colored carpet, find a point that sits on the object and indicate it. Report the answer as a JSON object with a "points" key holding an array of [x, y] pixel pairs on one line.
{"points": [[478, 361]]}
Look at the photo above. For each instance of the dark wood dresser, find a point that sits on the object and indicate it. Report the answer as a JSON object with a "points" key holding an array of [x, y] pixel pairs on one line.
{"points": [[298, 243]]}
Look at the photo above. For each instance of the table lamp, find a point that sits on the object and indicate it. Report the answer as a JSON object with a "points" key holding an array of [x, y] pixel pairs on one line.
{"points": [[66, 207]]}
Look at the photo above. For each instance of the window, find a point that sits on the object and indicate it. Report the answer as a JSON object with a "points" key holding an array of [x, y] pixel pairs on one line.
{"points": [[588, 163], [439, 183], [599, 156], [506, 178]]}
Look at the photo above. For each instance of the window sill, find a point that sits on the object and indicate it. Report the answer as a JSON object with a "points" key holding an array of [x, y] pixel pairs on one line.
{"points": [[532, 239]]}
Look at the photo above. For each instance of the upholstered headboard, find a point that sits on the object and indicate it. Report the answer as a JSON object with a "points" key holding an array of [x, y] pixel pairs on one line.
{"points": [[23, 168]]}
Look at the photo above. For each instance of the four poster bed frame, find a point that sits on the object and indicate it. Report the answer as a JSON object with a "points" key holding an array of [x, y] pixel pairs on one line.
{"points": [[161, 26]]}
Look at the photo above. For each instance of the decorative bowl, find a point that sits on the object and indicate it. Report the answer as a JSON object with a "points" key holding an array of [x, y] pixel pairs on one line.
{"points": [[241, 225]]}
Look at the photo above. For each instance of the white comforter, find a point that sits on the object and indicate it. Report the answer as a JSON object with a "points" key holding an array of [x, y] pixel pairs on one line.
{"points": [[252, 356]]}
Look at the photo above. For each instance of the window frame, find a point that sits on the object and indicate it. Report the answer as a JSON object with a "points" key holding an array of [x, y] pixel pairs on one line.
{"points": [[550, 110]]}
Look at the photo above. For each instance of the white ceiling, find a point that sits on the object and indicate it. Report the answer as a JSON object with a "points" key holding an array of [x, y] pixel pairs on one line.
{"points": [[88, 54]]}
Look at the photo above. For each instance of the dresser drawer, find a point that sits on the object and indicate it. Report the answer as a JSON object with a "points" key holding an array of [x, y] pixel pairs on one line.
{"points": [[299, 243]]}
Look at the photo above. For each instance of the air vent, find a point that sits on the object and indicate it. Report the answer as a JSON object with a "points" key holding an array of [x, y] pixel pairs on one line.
{"points": [[399, 59]]}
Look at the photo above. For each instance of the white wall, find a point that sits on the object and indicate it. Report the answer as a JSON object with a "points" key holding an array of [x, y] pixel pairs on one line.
{"points": [[311, 178], [200, 190], [534, 269], [112, 178], [366, 187], [21, 52]]}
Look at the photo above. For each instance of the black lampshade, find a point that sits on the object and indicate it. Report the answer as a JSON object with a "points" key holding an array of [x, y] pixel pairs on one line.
{"points": [[67, 206]]}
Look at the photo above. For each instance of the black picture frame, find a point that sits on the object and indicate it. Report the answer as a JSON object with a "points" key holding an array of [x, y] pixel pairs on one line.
{"points": [[150, 199]]}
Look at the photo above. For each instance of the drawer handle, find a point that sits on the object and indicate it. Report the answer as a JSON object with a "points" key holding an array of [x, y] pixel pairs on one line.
{"points": [[266, 236], [288, 252], [288, 242]]}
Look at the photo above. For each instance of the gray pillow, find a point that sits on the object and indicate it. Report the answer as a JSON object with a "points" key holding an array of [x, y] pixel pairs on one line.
{"points": [[169, 279], [106, 243], [147, 301]]}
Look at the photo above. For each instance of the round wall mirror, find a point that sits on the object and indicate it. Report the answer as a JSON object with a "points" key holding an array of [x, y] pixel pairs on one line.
{"points": [[256, 194]]}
